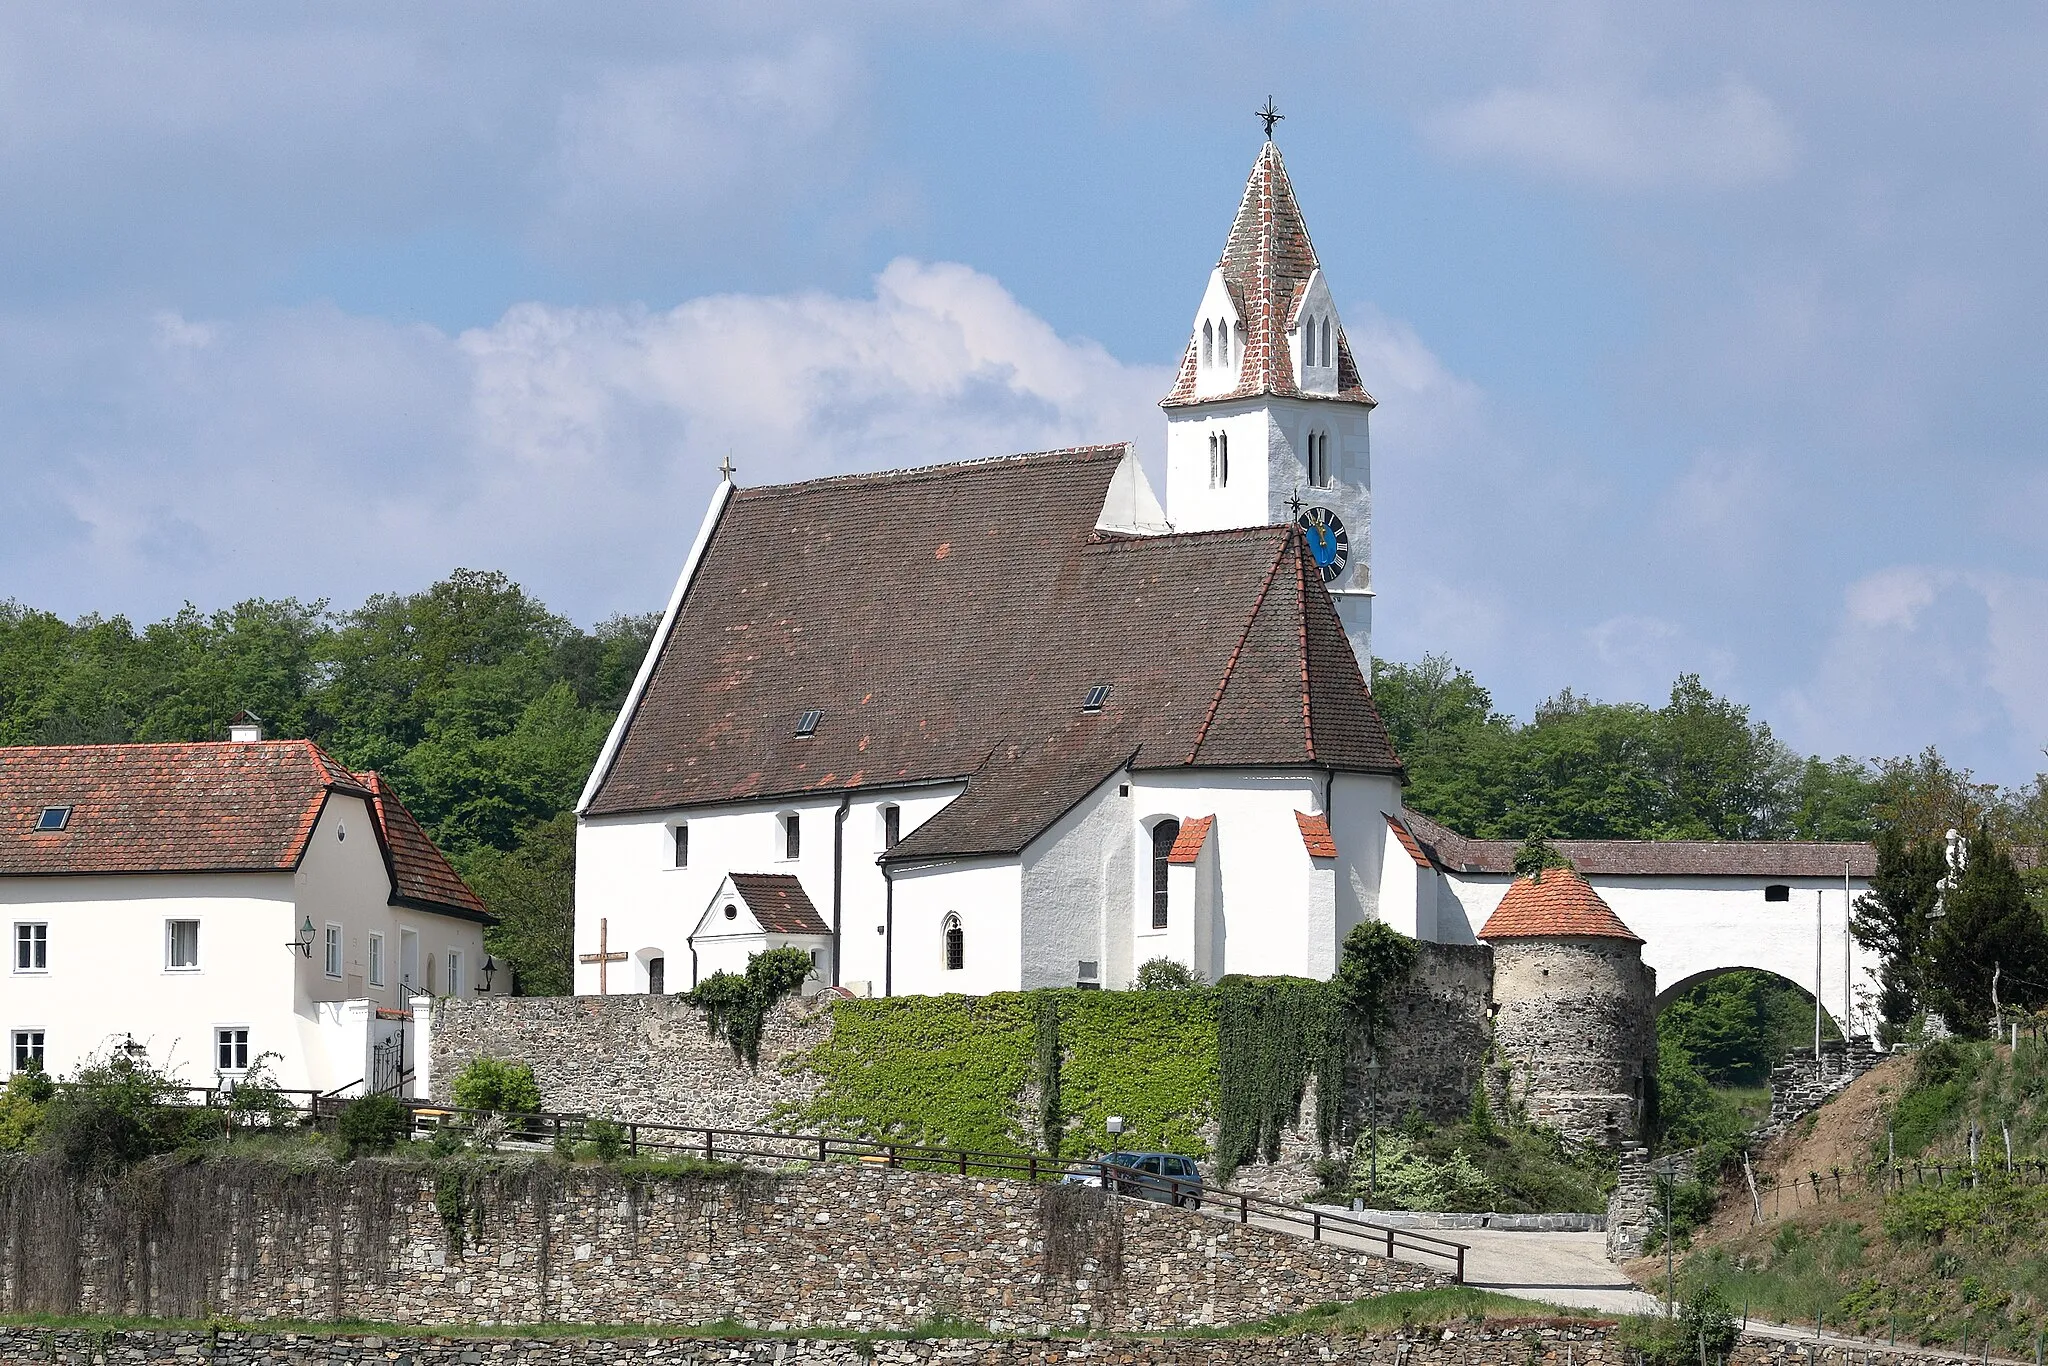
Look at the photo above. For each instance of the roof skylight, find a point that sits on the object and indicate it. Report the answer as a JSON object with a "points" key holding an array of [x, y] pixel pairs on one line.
{"points": [[54, 818], [807, 723], [1097, 695]]}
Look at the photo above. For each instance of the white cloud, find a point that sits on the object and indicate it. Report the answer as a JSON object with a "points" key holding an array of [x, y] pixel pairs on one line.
{"points": [[1620, 138], [1727, 506], [312, 452]]}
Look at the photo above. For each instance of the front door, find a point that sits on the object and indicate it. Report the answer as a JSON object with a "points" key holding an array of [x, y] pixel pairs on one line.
{"points": [[657, 976]]}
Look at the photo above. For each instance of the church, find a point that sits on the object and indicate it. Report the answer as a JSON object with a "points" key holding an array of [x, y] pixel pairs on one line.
{"points": [[1018, 722]]}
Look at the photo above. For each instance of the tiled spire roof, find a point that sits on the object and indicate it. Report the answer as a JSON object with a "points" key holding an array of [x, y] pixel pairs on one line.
{"points": [[1267, 261], [1561, 904]]}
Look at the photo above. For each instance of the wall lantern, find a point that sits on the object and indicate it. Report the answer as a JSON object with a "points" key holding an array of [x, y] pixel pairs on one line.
{"points": [[303, 940], [490, 970], [1115, 1125]]}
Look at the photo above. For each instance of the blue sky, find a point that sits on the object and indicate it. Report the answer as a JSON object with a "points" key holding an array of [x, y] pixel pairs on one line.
{"points": [[1706, 340]]}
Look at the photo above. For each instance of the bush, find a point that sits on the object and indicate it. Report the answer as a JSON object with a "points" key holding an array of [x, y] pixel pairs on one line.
{"points": [[496, 1085], [21, 1107], [607, 1139], [372, 1124], [736, 1005], [257, 1101], [1164, 974], [114, 1112]]}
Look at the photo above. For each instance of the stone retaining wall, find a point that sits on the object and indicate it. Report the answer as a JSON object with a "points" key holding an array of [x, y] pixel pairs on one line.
{"points": [[1535, 1343], [1802, 1083], [843, 1247]]}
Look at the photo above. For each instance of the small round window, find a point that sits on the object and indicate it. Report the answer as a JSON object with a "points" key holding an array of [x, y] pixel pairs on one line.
{"points": [[732, 913]]}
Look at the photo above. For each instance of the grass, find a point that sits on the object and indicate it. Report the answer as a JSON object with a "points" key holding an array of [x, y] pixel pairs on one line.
{"points": [[1413, 1308]]}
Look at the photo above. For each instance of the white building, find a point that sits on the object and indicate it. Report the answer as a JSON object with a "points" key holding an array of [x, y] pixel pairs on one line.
{"points": [[1012, 723], [214, 903]]}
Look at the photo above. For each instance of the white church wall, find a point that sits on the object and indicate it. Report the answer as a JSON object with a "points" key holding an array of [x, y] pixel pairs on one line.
{"points": [[1263, 869], [1192, 503], [864, 893], [1077, 881], [1358, 808], [1223, 369], [987, 895]]}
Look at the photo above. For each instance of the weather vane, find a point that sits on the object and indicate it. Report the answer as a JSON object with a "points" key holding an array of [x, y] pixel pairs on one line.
{"points": [[1271, 115]]}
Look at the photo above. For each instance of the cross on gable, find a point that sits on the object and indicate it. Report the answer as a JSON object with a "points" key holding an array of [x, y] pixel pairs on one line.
{"points": [[603, 958]]}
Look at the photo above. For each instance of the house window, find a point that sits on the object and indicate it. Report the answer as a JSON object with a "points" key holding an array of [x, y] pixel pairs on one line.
{"points": [[1777, 891], [892, 826], [28, 1050], [1088, 975], [454, 972], [1163, 836], [181, 945], [1319, 459], [231, 1048], [334, 950], [32, 948], [682, 834], [1212, 460], [956, 944], [376, 960], [732, 912], [657, 976], [792, 835]]}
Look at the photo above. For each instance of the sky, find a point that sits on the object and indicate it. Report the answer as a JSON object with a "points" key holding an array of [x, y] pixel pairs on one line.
{"points": [[1706, 339]]}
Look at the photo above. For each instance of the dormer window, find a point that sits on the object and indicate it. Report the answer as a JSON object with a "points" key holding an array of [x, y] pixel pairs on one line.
{"points": [[54, 818]]}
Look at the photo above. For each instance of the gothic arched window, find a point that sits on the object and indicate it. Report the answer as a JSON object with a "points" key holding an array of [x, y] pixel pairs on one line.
{"points": [[1223, 460], [1212, 460], [1222, 342], [1329, 356], [1208, 343], [956, 944], [1163, 836]]}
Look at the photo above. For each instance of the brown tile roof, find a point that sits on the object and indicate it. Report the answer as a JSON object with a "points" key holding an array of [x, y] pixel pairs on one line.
{"points": [[949, 621], [1656, 858], [420, 873], [780, 903], [1561, 903], [1187, 846], [168, 808], [1414, 849], [1315, 835], [1267, 261], [212, 807]]}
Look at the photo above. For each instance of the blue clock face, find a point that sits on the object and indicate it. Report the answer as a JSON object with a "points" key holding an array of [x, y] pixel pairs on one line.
{"points": [[1327, 541]]}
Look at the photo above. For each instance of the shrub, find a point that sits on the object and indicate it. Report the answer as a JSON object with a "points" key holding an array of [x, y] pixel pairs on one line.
{"points": [[736, 1005], [372, 1124], [257, 1101], [1165, 974], [114, 1112], [494, 1084], [607, 1139], [21, 1106]]}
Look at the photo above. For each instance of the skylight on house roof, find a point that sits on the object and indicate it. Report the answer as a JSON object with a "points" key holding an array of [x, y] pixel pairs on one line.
{"points": [[808, 723], [1097, 695], [54, 818]]}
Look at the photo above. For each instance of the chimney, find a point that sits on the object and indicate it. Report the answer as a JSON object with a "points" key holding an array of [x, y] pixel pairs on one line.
{"points": [[246, 728]]}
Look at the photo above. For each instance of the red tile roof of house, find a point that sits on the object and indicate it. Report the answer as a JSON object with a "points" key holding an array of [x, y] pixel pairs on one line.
{"points": [[214, 807], [1187, 846], [779, 903], [1656, 858], [1408, 842], [1267, 261], [1559, 904], [949, 622], [1315, 835]]}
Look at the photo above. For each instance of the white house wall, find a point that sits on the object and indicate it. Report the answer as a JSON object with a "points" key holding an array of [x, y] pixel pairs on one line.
{"points": [[1077, 883], [626, 875], [987, 895]]}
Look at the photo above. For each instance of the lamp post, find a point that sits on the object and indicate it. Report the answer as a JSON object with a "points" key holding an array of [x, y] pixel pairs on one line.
{"points": [[1372, 1110], [1667, 1169]]}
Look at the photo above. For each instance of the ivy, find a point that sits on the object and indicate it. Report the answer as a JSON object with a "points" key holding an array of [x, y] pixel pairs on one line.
{"points": [[1045, 1066], [736, 1005], [1272, 1035]]}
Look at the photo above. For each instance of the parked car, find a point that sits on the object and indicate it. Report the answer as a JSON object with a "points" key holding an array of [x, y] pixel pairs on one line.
{"points": [[1168, 1178]]}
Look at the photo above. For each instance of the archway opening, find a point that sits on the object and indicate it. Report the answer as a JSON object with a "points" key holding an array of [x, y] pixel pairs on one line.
{"points": [[1719, 1034]]}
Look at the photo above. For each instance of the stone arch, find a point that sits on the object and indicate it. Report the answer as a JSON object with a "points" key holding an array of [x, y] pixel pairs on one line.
{"points": [[1667, 994]]}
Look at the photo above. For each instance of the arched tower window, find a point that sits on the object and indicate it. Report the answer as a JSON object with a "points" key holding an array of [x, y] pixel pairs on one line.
{"points": [[1223, 460], [1319, 459], [1163, 836], [1329, 357], [1212, 460], [956, 944], [1208, 343], [1222, 342]]}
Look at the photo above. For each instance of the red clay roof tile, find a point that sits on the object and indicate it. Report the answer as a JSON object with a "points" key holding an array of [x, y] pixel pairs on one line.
{"points": [[1187, 846], [1561, 903], [1414, 849], [1315, 835], [779, 903]]}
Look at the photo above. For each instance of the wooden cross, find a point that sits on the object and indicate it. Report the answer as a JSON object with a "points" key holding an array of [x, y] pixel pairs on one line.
{"points": [[602, 958]]}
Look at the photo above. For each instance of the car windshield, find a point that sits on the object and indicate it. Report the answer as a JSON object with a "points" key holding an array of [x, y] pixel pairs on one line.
{"points": [[1121, 1159]]}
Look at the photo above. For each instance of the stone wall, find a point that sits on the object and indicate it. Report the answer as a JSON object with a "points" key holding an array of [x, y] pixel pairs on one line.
{"points": [[1577, 1028], [852, 1246], [1802, 1083], [1536, 1342], [642, 1057], [1632, 1210]]}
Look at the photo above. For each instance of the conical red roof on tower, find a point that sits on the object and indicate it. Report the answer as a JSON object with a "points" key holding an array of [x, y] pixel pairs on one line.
{"points": [[1562, 905]]}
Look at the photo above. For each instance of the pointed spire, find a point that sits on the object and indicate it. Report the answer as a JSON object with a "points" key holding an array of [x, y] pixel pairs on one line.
{"points": [[1267, 263]]}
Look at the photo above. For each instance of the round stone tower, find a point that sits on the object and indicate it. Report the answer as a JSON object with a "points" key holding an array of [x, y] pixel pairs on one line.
{"points": [[1574, 1013]]}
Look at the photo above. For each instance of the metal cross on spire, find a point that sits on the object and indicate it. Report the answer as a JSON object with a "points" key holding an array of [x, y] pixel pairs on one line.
{"points": [[726, 467], [1271, 115]]}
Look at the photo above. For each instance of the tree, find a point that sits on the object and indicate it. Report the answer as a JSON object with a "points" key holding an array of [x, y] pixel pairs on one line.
{"points": [[1895, 920], [532, 891], [1990, 930]]}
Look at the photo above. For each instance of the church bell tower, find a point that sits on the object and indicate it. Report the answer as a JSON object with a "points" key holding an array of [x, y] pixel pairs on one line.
{"points": [[1268, 422]]}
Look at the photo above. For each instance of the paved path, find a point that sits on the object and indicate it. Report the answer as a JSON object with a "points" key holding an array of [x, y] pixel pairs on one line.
{"points": [[1563, 1268]]}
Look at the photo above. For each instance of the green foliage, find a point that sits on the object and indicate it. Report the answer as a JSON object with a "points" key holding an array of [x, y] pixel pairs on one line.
{"points": [[950, 1071], [497, 1086], [1376, 959], [1538, 856], [1516, 1169], [1272, 1035], [112, 1112], [1689, 1111], [1895, 919], [21, 1107], [1166, 974], [257, 1101], [607, 1139], [1409, 1177], [1481, 1117], [736, 1005], [372, 1124], [1048, 1057], [1734, 1027], [1991, 924], [481, 707], [1704, 1329]]}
